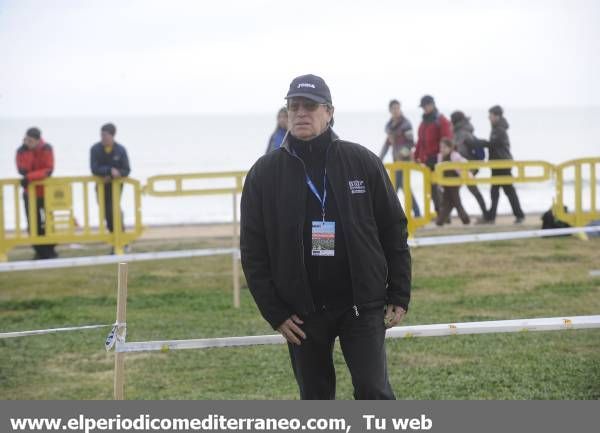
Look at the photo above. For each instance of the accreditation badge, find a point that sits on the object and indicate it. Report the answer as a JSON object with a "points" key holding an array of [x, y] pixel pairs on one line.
{"points": [[323, 238]]}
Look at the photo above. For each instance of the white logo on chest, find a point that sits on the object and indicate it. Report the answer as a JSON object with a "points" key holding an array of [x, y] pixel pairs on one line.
{"points": [[357, 186]]}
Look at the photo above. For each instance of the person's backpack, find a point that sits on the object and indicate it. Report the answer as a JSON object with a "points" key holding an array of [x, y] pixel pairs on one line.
{"points": [[478, 153], [475, 152], [549, 221]]}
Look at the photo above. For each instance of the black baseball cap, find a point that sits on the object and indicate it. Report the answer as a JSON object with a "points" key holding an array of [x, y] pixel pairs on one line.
{"points": [[427, 99], [310, 87]]}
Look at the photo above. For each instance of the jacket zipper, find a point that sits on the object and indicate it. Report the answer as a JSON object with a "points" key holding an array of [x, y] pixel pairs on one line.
{"points": [[354, 307], [314, 308]]}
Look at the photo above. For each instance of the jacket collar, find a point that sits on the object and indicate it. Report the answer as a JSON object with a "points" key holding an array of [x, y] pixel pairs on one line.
{"points": [[286, 142]]}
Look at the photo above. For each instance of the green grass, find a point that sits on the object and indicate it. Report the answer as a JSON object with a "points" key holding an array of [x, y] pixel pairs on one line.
{"points": [[192, 299]]}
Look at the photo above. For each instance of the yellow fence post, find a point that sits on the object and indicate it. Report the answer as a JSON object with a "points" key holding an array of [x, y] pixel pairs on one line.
{"points": [[578, 204], [116, 216], [32, 210], [101, 206], [3, 245], [121, 329], [579, 216], [17, 210]]}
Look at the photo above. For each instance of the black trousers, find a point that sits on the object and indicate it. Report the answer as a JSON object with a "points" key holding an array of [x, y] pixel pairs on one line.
{"points": [[477, 194], [400, 185], [436, 193], [362, 340], [41, 251], [108, 207], [509, 191]]}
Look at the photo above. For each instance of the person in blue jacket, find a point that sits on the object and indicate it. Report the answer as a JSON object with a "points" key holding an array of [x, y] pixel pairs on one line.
{"points": [[280, 130], [108, 159]]}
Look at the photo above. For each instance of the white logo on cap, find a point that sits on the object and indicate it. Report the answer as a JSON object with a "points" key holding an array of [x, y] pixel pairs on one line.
{"points": [[306, 85]]}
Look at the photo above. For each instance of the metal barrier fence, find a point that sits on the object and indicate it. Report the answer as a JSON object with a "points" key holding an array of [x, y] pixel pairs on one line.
{"points": [[60, 222], [580, 215], [177, 184], [60, 219], [521, 172]]}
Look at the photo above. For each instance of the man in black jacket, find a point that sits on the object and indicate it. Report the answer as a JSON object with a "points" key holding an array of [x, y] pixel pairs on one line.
{"points": [[499, 149], [108, 159], [324, 248]]}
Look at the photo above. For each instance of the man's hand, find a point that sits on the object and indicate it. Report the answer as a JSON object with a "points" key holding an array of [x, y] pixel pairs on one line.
{"points": [[115, 173], [393, 315], [291, 331]]}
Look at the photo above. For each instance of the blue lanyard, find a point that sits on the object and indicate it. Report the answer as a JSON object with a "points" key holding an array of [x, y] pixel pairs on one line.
{"points": [[313, 188]]}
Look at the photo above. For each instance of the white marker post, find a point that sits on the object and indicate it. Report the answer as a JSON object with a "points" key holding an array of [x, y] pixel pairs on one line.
{"points": [[121, 329]]}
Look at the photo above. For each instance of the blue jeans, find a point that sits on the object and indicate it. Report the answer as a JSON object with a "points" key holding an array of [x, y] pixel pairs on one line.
{"points": [[400, 185]]}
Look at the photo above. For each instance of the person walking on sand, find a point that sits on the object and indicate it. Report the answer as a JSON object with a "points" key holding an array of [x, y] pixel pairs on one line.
{"points": [[432, 129], [499, 149], [324, 248], [464, 141], [451, 194], [399, 137]]}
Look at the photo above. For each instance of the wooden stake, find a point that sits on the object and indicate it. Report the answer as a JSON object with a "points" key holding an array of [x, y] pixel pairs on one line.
{"points": [[121, 330]]}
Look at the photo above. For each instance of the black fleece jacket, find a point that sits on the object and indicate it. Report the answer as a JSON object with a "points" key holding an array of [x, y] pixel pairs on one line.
{"points": [[273, 217], [499, 144], [328, 276]]}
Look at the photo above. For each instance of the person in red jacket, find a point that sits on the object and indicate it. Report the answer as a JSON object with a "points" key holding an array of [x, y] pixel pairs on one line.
{"points": [[432, 129], [35, 161]]}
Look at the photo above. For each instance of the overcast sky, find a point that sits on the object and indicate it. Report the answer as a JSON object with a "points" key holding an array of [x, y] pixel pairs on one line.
{"points": [[110, 57]]}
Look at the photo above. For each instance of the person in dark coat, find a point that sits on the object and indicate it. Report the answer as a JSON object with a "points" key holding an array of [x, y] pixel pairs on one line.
{"points": [[109, 160], [324, 248], [464, 141], [280, 130], [499, 149], [35, 161]]}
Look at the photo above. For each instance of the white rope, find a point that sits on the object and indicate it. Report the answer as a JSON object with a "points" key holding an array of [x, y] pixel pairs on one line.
{"points": [[499, 236], [436, 330], [26, 265], [49, 331]]}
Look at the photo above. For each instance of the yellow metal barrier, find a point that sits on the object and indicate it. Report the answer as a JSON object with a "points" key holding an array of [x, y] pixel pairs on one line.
{"points": [[176, 182], [464, 168], [524, 172], [407, 168], [178, 189], [579, 216], [61, 223], [59, 214]]}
